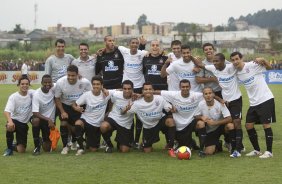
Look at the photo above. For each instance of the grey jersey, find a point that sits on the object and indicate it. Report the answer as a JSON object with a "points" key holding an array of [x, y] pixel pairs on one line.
{"points": [[86, 68], [57, 67]]}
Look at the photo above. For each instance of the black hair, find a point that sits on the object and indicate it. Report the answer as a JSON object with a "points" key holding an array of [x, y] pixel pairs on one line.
{"points": [[127, 82], [83, 44], [72, 68], [236, 53], [175, 42], [60, 41], [97, 78], [208, 44], [220, 56], [23, 78], [185, 47]]}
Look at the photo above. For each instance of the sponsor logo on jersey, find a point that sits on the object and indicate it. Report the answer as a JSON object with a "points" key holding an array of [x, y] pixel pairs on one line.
{"points": [[225, 80], [249, 81], [161, 61], [150, 114], [111, 66]]}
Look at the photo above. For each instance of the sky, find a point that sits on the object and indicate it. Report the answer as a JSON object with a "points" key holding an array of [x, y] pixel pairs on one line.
{"points": [[112, 12]]}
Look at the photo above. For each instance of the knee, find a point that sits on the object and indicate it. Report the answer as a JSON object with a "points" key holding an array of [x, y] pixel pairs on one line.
{"points": [[229, 126], [249, 126], [92, 149], [265, 126], [200, 124], [124, 149], [169, 122], [35, 122], [105, 126], [46, 146], [20, 148]]}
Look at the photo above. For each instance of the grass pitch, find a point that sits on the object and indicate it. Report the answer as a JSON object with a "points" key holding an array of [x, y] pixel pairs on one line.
{"points": [[138, 167]]}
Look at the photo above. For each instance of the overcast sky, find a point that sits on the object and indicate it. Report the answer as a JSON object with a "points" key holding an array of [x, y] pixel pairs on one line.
{"points": [[80, 13]]}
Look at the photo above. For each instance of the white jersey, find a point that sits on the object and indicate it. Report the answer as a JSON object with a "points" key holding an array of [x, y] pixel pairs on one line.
{"points": [[216, 112], [186, 107], [44, 103], [20, 107], [133, 66], [184, 71], [172, 80], [253, 79], [57, 67], [228, 81], [119, 103], [24, 69], [150, 113], [95, 107], [70, 93], [86, 68]]}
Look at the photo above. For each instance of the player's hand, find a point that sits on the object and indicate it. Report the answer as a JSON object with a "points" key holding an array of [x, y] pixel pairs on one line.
{"points": [[94, 56], [127, 107], [136, 96], [211, 122], [205, 118], [142, 40], [105, 92], [10, 126], [169, 60], [196, 69], [79, 109], [64, 115], [260, 61], [173, 109], [101, 51], [51, 124]]}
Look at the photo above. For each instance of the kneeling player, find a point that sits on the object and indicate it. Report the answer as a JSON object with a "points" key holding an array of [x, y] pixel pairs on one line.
{"points": [[43, 108], [217, 120], [120, 122]]}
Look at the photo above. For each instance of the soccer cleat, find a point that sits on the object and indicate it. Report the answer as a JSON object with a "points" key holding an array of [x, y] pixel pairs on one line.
{"points": [[266, 154], [202, 154], [103, 145], [65, 150], [36, 151], [108, 149], [8, 152], [254, 153], [171, 153], [235, 154], [175, 145], [243, 150], [79, 152], [228, 146], [73, 146], [136, 145]]}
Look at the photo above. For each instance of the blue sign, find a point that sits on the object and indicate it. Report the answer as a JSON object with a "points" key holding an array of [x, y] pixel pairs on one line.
{"points": [[273, 76]]}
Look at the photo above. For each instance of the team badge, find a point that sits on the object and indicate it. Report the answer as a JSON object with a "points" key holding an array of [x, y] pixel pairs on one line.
{"points": [[80, 86], [161, 61], [154, 68], [111, 63], [116, 55], [157, 103]]}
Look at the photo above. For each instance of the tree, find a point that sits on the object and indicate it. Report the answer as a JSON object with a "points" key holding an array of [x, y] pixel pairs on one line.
{"points": [[142, 21], [219, 28], [17, 30], [274, 36]]}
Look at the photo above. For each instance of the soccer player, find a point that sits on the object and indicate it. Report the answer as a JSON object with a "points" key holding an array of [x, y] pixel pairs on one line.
{"points": [[56, 65], [18, 112], [217, 119], [226, 76], [182, 68], [85, 63], [24, 69], [262, 106], [44, 109], [120, 122], [92, 116], [68, 90], [184, 103], [149, 109]]}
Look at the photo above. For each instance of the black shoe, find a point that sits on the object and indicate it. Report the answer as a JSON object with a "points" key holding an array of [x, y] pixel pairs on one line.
{"points": [[108, 149], [202, 154], [218, 147], [36, 151]]}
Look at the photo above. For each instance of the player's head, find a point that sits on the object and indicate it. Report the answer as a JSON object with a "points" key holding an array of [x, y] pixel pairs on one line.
{"points": [[148, 89], [60, 47], [208, 50], [155, 47], [83, 50], [236, 58], [133, 44], [185, 87], [176, 48], [109, 42], [127, 88], [23, 84], [46, 82], [208, 94], [97, 84], [219, 61], [72, 74], [186, 52]]}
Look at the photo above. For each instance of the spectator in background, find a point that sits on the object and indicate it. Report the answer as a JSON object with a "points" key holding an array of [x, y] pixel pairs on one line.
{"points": [[25, 69]]}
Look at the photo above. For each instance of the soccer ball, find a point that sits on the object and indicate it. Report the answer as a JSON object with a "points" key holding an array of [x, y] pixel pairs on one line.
{"points": [[183, 153]]}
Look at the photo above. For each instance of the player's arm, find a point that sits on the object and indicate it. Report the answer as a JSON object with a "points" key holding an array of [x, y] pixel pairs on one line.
{"points": [[263, 62], [164, 67], [59, 105], [77, 107], [197, 61], [142, 44], [10, 123], [127, 108], [223, 121], [202, 80], [51, 123], [48, 69]]}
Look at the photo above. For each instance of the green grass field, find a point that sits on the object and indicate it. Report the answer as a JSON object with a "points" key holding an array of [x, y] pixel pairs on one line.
{"points": [[138, 167]]}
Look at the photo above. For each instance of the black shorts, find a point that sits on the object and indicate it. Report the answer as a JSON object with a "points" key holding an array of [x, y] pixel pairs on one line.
{"points": [[123, 135], [218, 93], [184, 137], [263, 113], [213, 137], [138, 90], [92, 134], [235, 108], [151, 135], [73, 115], [21, 130], [45, 130]]}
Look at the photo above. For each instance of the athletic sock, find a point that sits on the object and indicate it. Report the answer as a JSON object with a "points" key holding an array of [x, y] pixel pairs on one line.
{"points": [[107, 138], [171, 136], [35, 134], [268, 139], [64, 135], [232, 138], [254, 138], [73, 137], [138, 129], [202, 137], [9, 139], [239, 137], [78, 135]]}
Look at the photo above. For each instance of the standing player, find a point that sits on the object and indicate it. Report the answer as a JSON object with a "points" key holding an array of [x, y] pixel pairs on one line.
{"points": [[95, 106], [149, 109], [18, 112], [85, 63], [262, 106], [217, 120], [56, 65], [120, 122], [226, 76], [183, 68], [68, 90], [24, 69], [44, 109]]}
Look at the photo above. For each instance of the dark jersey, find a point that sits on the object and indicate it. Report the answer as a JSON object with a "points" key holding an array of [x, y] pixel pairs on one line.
{"points": [[110, 66], [152, 71]]}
